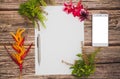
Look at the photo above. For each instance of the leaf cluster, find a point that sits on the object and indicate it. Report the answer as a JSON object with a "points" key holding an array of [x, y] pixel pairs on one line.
{"points": [[85, 65], [33, 10]]}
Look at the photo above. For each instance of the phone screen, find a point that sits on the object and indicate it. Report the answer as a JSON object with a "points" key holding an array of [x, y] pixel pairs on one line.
{"points": [[100, 30]]}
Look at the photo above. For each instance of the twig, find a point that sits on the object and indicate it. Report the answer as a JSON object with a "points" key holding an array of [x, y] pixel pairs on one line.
{"points": [[20, 75], [67, 63]]}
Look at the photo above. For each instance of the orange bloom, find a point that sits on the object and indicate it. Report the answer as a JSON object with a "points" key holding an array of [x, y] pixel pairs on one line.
{"points": [[18, 46]]}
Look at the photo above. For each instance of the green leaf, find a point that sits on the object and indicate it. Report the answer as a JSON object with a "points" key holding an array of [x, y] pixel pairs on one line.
{"points": [[42, 2], [79, 55], [81, 69], [32, 10]]}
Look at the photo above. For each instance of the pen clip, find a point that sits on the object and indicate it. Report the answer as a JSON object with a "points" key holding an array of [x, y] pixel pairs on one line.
{"points": [[38, 48], [37, 41]]}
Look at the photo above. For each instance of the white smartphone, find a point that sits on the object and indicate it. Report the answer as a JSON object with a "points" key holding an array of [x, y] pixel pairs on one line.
{"points": [[100, 30]]}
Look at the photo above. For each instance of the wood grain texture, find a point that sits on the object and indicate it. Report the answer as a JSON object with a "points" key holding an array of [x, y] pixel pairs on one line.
{"points": [[91, 4], [11, 19], [6, 38], [103, 71], [9, 70], [108, 59], [106, 54]]}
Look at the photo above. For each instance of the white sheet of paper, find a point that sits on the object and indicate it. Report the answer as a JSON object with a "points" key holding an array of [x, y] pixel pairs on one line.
{"points": [[100, 30], [61, 40]]}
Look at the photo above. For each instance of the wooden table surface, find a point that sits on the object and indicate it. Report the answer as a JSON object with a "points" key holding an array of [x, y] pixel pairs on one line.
{"points": [[108, 64]]}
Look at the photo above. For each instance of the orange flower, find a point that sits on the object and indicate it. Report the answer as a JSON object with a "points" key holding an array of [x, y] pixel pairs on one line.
{"points": [[18, 46]]}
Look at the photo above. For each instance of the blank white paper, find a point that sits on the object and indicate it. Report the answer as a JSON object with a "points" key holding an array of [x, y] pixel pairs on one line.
{"points": [[100, 30], [61, 40]]}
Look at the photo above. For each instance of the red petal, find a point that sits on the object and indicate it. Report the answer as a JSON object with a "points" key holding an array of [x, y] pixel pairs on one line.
{"points": [[79, 4], [11, 56], [14, 38], [71, 1], [20, 67], [26, 52], [22, 42], [65, 4], [15, 49], [65, 9], [70, 10]]}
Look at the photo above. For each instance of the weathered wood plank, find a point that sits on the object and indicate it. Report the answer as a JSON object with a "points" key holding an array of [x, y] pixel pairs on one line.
{"points": [[106, 55], [8, 69], [103, 71], [11, 19], [92, 4], [6, 38]]}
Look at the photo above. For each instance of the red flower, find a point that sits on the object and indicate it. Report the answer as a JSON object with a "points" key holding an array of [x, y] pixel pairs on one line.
{"points": [[76, 10], [83, 14], [68, 7], [19, 47]]}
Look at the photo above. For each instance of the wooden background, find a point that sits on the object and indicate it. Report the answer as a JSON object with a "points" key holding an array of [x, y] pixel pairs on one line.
{"points": [[108, 64]]}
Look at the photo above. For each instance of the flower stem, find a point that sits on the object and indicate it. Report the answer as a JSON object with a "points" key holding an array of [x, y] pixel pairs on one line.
{"points": [[20, 75]]}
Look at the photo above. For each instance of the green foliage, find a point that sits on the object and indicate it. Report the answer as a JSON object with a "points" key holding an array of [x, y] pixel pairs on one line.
{"points": [[50, 2], [33, 10], [85, 65]]}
